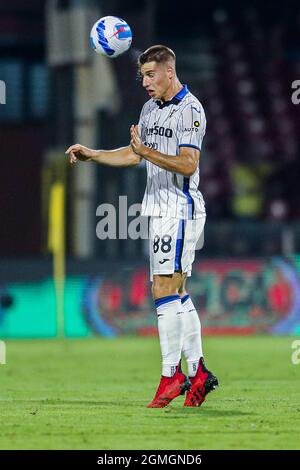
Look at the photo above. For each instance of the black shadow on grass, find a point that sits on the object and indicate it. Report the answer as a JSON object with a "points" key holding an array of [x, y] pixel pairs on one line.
{"points": [[168, 412], [174, 413], [59, 402]]}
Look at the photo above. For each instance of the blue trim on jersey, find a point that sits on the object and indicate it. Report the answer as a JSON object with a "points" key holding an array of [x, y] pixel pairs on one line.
{"points": [[165, 300], [175, 100], [179, 245], [185, 298], [190, 200], [190, 145], [181, 94]]}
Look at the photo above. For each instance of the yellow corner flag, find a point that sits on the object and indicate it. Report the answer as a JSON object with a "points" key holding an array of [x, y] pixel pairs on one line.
{"points": [[56, 244]]}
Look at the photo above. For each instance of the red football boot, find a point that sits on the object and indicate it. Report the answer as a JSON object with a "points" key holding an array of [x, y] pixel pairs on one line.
{"points": [[170, 388], [203, 383]]}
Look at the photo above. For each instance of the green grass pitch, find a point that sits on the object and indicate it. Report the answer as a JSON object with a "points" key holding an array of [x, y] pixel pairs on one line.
{"points": [[92, 394]]}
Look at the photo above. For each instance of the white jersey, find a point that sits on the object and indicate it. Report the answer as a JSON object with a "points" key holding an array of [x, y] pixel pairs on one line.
{"points": [[166, 127]]}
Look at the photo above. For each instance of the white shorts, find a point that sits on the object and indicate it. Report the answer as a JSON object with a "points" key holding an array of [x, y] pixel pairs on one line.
{"points": [[173, 243]]}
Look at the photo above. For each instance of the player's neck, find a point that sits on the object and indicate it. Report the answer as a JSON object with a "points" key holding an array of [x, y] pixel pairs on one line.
{"points": [[172, 91]]}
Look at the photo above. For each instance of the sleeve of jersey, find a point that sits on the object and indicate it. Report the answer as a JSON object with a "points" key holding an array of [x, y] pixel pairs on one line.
{"points": [[192, 127]]}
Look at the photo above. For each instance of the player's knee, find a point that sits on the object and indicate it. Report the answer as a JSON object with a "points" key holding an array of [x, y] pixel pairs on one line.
{"points": [[158, 292], [163, 288]]}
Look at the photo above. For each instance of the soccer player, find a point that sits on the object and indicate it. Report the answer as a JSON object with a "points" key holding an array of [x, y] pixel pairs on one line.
{"points": [[169, 137]]}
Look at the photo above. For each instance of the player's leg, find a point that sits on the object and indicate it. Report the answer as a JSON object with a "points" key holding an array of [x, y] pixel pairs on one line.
{"points": [[170, 320], [192, 346], [171, 330], [202, 380], [165, 250], [192, 342]]}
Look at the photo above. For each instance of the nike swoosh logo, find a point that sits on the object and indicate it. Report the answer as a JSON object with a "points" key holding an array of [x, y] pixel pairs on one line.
{"points": [[198, 110], [164, 260]]}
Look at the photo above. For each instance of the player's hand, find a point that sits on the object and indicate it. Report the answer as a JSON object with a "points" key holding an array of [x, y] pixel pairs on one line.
{"points": [[79, 152], [135, 142]]}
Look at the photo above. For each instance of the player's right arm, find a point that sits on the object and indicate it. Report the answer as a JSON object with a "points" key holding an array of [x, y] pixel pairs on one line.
{"points": [[120, 157]]}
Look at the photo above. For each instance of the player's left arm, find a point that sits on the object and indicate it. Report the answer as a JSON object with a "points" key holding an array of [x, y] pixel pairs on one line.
{"points": [[185, 163]]}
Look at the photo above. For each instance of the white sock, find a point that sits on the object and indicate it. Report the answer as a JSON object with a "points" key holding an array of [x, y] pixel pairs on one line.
{"points": [[192, 344], [171, 331]]}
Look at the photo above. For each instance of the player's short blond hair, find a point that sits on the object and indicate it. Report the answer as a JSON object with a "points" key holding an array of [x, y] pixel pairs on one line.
{"points": [[158, 53]]}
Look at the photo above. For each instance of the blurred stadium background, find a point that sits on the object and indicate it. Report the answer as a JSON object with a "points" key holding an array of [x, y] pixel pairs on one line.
{"points": [[241, 63]]}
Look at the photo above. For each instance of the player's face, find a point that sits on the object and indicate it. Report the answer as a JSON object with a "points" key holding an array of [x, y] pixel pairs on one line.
{"points": [[156, 79]]}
